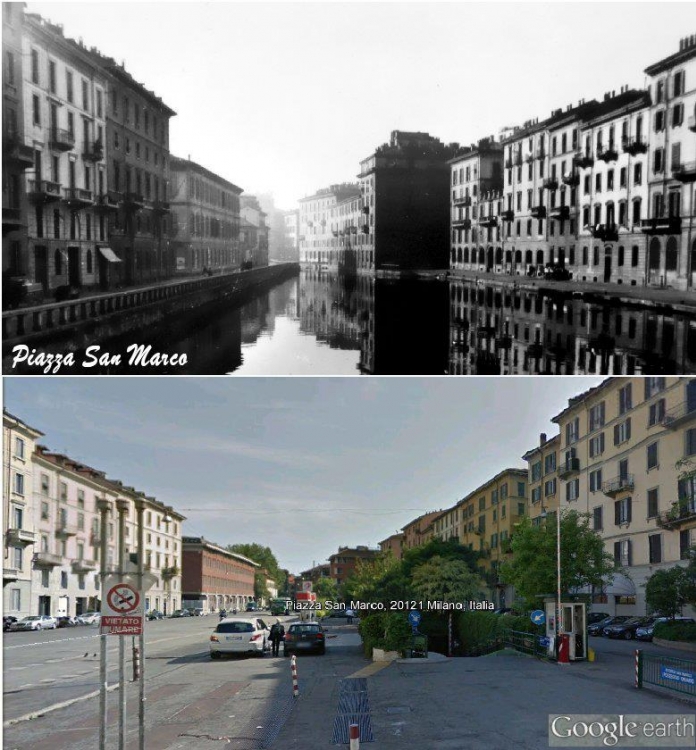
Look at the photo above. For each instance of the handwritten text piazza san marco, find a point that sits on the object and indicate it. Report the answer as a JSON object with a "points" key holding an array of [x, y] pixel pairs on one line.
{"points": [[394, 605]]}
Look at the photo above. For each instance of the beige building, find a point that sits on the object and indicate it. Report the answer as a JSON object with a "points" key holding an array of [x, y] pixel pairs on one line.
{"points": [[393, 544], [420, 530], [19, 523], [619, 446], [543, 477]]}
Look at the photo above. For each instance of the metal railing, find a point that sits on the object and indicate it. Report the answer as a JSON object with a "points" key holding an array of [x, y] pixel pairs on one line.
{"points": [[668, 672], [526, 643]]}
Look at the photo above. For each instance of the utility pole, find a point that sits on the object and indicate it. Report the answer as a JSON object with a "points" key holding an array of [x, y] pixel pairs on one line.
{"points": [[122, 506], [103, 506], [140, 509]]}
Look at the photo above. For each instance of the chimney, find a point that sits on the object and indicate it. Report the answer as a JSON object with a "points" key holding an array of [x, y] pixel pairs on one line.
{"points": [[542, 438]]}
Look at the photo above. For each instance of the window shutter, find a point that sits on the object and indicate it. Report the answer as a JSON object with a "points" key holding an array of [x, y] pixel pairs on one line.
{"points": [[617, 553], [629, 503], [681, 491], [616, 434], [628, 429], [617, 512], [629, 546]]}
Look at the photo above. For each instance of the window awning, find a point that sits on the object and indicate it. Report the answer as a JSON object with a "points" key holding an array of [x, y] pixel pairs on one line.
{"points": [[109, 254]]}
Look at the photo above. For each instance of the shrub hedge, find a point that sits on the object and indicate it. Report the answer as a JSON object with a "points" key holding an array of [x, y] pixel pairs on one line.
{"points": [[675, 631], [388, 630]]}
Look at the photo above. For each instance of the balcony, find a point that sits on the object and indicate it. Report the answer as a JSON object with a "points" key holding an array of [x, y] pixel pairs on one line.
{"points": [[560, 213], [15, 152], [607, 154], [616, 486], [465, 200], [605, 232], [570, 467], [685, 172], [78, 198], [508, 215], [106, 202], [9, 574], [66, 529], [488, 221], [550, 183], [571, 178], [662, 225], [11, 220], [84, 566], [44, 191], [462, 223], [160, 207], [44, 559], [540, 154], [584, 160], [682, 513], [132, 201], [538, 212], [62, 140], [634, 146], [679, 415], [20, 536], [170, 572], [94, 151], [692, 124]]}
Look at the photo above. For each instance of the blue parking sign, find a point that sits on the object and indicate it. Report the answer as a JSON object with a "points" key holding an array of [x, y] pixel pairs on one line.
{"points": [[538, 617], [414, 617]]}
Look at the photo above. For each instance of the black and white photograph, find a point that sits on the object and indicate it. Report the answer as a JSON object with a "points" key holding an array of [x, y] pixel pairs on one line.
{"points": [[349, 188]]}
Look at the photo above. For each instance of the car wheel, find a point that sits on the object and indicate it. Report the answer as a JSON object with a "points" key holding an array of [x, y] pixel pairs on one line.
{"points": [[215, 654], [628, 635], [38, 627]]}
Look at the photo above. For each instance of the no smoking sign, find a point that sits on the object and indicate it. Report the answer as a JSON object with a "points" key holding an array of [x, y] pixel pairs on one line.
{"points": [[123, 599], [122, 608]]}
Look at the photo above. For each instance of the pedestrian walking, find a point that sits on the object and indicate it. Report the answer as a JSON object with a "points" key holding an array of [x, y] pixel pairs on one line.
{"points": [[277, 635]]}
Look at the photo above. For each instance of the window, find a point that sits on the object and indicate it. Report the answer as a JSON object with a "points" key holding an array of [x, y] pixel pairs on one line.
{"points": [[520, 491], [64, 492], [658, 161], [652, 456], [655, 548], [677, 115], [549, 487], [19, 484], [36, 110], [503, 491], [597, 445], [656, 413], [638, 174], [536, 494], [653, 502], [99, 103], [596, 480], [653, 386], [659, 120], [622, 511], [19, 448], [45, 578], [622, 432], [549, 463], [15, 600], [573, 490], [64, 579], [597, 521], [597, 416], [625, 399], [69, 85], [690, 442], [35, 66], [44, 511], [85, 95], [494, 497], [573, 431], [482, 503]]}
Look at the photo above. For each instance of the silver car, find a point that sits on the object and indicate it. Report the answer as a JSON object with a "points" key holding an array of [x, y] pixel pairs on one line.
{"points": [[35, 622]]}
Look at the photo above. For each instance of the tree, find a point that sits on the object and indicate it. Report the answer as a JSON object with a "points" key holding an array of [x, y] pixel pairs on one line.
{"points": [[326, 589], [533, 567], [445, 580], [263, 556], [668, 590]]}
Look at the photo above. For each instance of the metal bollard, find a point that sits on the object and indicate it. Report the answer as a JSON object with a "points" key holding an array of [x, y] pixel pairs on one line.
{"points": [[136, 663], [293, 669], [354, 735]]}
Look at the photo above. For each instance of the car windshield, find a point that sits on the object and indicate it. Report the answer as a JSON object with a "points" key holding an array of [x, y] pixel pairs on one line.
{"points": [[305, 629], [235, 627], [33, 617]]}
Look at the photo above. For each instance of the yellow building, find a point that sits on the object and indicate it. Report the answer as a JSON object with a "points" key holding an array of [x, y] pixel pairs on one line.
{"points": [[619, 446], [543, 477]]}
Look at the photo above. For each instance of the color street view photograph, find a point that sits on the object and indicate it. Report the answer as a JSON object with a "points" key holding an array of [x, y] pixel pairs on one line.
{"points": [[349, 188], [302, 562]]}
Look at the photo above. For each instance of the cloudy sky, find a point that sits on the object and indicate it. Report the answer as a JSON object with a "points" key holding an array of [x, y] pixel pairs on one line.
{"points": [[302, 465], [288, 97]]}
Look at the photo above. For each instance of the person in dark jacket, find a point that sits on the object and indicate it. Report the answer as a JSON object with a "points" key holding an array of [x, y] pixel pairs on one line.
{"points": [[277, 635]]}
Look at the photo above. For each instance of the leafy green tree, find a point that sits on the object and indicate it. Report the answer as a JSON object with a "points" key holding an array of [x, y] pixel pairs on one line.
{"points": [[264, 557], [375, 580], [533, 567], [440, 579], [326, 588], [668, 590]]}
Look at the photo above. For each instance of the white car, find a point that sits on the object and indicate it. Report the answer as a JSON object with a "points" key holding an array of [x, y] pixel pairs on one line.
{"points": [[240, 635], [35, 622], [89, 618]]}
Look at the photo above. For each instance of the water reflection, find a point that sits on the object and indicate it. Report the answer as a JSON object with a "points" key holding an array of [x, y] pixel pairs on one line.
{"points": [[507, 331]]}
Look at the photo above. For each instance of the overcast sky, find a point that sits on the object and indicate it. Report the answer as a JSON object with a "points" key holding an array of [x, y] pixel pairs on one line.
{"points": [[302, 465], [288, 97]]}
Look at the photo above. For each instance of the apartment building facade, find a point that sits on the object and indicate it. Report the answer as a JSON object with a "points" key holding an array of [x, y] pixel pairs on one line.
{"points": [[215, 578], [672, 169], [254, 232], [620, 444], [393, 544], [420, 530], [344, 562], [542, 478], [19, 517], [205, 213]]}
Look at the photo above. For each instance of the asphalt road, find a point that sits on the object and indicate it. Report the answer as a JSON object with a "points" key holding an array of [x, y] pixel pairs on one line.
{"points": [[191, 699]]}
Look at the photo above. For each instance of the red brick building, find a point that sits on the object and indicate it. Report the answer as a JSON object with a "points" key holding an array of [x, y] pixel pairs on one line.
{"points": [[214, 578], [344, 561]]}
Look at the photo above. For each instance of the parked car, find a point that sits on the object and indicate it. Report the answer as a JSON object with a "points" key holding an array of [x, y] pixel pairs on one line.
{"points": [[65, 621], [180, 613], [195, 612], [597, 627], [557, 272], [627, 628], [645, 632], [251, 607], [35, 622], [594, 617], [238, 635], [89, 618], [155, 614], [7, 621], [305, 636]]}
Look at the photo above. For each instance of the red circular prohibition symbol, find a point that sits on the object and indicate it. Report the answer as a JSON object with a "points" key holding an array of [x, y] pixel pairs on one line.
{"points": [[123, 598]]}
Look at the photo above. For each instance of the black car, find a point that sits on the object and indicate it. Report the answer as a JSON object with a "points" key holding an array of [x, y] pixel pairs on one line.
{"points": [[155, 614], [627, 628], [305, 636], [594, 617], [597, 628], [7, 620], [194, 612], [65, 622]]}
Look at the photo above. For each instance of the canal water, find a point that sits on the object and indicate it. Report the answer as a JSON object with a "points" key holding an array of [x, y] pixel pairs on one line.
{"points": [[320, 323]]}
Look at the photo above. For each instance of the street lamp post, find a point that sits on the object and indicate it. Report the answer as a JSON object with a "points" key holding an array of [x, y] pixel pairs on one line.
{"points": [[544, 514]]}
